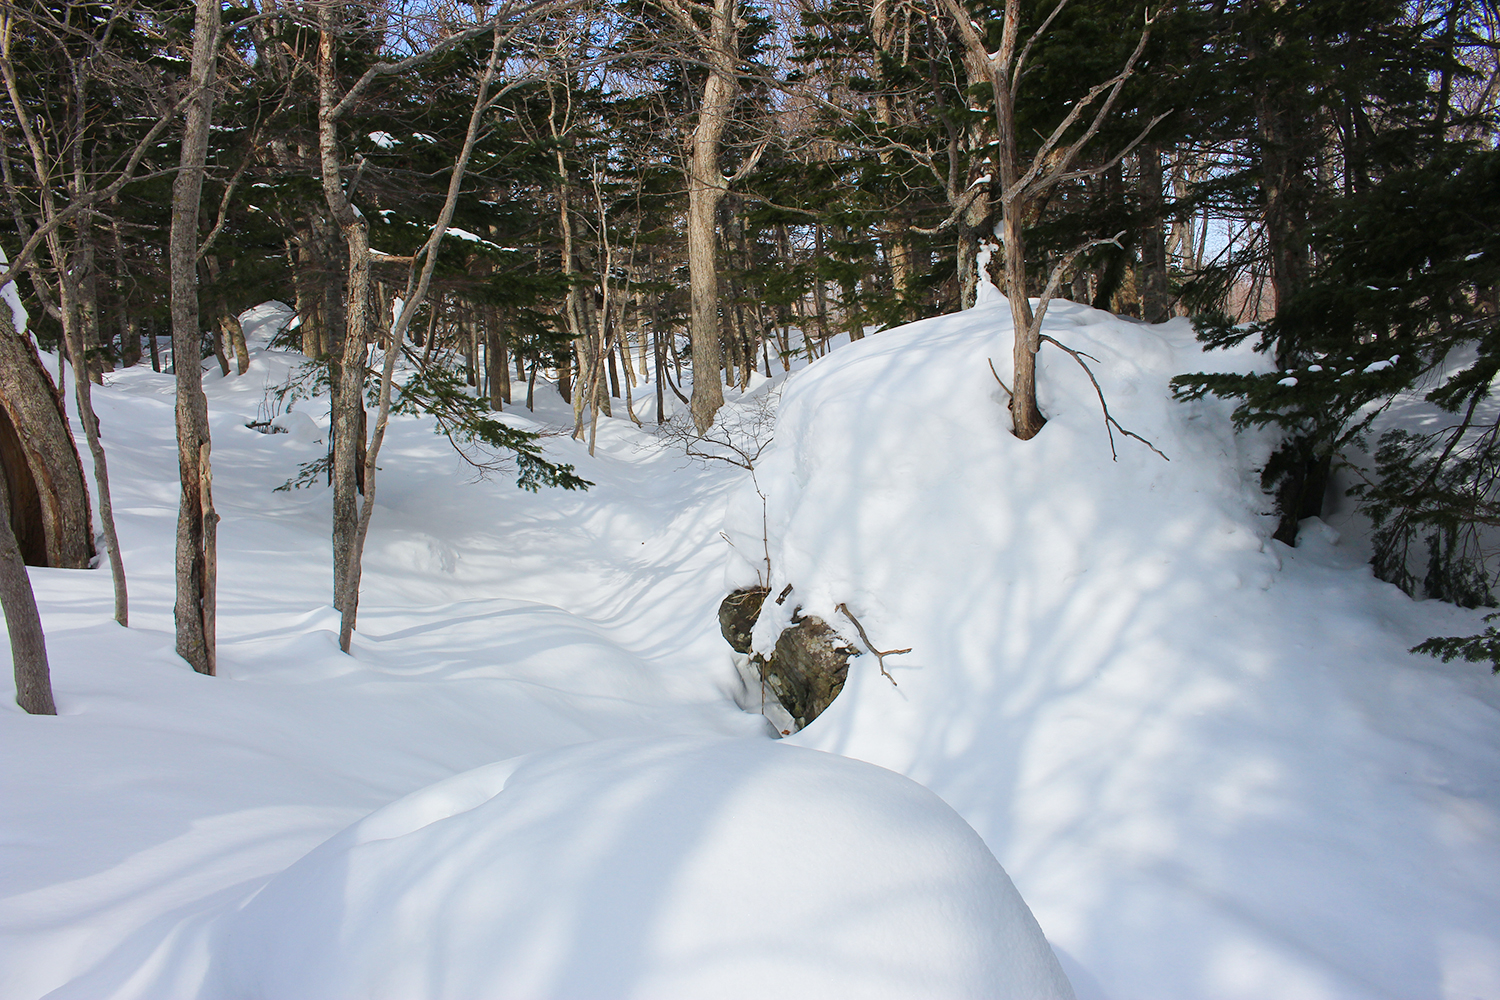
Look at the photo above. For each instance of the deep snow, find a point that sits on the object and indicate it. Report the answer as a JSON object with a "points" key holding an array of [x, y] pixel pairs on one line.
{"points": [[1205, 759]]}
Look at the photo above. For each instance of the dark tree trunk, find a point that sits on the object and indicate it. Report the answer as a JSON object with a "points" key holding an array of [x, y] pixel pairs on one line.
{"points": [[28, 647], [1155, 295], [54, 528]]}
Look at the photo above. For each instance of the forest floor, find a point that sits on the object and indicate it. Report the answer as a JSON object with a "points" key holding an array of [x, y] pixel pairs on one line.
{"points": [[1205, 759]]}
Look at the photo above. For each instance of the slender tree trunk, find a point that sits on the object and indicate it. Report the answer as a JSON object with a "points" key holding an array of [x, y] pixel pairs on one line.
{"points": [[196, 520], [1026, 418], [1155, 295], [83, 388], [28, 646], [348, 396]]}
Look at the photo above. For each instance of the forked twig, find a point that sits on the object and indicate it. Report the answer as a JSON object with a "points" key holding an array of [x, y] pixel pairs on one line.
{"points": [[880, 655], [1110, 423]]}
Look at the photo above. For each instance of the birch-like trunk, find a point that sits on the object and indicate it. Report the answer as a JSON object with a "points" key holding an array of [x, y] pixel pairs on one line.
{"points": [[706, 188], [348, 389], [196, 519]]}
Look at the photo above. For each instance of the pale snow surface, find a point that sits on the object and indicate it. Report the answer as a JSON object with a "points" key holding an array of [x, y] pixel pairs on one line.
{"points": [[648, 868], [1205, 759]]}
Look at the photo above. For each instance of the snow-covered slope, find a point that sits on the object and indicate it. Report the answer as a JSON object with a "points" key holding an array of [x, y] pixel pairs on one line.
{"points": [[1205, 758], [647, 868]]}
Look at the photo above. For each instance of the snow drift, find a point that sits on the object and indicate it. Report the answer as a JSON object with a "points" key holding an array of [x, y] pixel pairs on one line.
{"points": [[648, 868], [1207, 759]]}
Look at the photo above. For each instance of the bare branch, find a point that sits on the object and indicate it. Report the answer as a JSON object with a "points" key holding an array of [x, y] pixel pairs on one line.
{"points": [[1054, 279], [999, 379], [1113, 85], [880, 654], [1095, 171], [1110, 423]]}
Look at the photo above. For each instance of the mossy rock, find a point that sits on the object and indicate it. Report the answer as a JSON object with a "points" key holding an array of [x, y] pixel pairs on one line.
{"points": [[808, 667], [737, 614]]}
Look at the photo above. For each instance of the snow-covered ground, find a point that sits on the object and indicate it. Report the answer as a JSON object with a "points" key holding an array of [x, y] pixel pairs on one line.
{"points": [[1206, 760]]}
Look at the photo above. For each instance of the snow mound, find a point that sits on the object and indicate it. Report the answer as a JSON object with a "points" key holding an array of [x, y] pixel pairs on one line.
{"points": [[1207, 759], [666, 867]]}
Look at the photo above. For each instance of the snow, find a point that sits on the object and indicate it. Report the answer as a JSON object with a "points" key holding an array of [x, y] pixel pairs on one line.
{"points": [[1205, 759], [648, 868]]}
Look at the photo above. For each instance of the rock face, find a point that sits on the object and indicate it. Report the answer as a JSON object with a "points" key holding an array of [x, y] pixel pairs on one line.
{"points": [[807, 667], [806, 670], [737, 616]]}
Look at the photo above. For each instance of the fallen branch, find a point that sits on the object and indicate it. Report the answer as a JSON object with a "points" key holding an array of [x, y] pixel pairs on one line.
{"points": [[880, 655], [1110, 423]]}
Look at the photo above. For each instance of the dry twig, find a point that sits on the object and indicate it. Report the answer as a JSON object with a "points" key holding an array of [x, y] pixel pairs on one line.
{"points": [[880, 654], [1110, 423], [999, 379]]}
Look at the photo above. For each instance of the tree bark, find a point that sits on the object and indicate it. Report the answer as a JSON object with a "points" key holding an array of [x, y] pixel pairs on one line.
{"points": [[28, 646], [61, 534], [706, 188], [196, 522], [348, 394]]}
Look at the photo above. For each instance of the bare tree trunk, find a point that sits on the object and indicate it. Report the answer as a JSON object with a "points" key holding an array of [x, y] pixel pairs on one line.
{"points": [[1155, 295], [28, 646], [83, 389], [497, 370], [196, 520], [348, 395], [34, 411], [235, 333], [706, 188]]}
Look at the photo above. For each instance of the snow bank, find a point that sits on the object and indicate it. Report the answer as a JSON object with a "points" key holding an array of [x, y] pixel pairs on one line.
{"points": [[1206, 758], [648, 868]]}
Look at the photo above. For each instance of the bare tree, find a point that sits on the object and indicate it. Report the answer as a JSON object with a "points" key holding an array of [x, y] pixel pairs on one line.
{"points": [[417, 284], [58, 162], [1023, 183], [351, 519], [197, 523], [713, 33]]}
